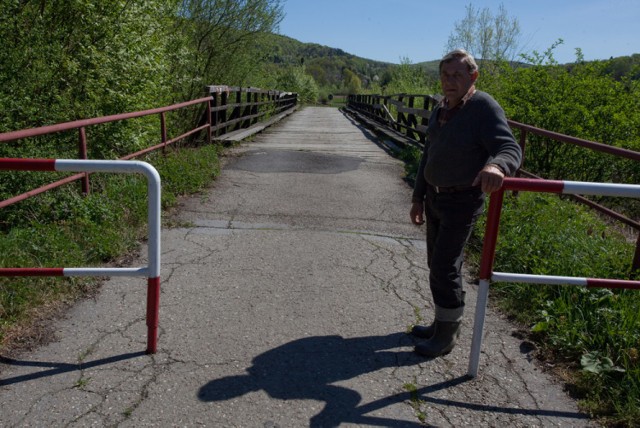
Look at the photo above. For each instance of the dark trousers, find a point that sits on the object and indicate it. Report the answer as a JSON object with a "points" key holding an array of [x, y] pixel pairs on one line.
{"points": [[450, 218]]}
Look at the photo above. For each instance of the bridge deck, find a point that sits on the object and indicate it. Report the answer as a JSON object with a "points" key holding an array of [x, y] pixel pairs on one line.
{"points": [[287, 291]]}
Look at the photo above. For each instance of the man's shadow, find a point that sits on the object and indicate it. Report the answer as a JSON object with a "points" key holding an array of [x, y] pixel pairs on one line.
{"points": [[308, 368]]}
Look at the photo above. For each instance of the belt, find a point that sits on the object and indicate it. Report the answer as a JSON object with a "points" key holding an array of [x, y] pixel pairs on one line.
{"points": [[453, 189]]}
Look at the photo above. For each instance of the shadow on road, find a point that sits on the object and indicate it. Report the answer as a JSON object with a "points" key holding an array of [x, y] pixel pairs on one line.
{"points": [[58, 368], [307, 369]]}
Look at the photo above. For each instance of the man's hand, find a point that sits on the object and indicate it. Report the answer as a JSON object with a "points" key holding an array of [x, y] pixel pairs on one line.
{"points": [[417, 213], [489, 179]]}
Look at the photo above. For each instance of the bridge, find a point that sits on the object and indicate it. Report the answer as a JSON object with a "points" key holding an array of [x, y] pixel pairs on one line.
{"points": [[287, 291]]}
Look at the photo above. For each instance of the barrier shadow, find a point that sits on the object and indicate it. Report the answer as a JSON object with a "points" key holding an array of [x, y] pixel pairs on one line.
{"points": [[59, 368]]}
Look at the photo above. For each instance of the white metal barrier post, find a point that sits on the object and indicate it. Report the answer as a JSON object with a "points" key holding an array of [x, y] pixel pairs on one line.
{"points": [[151, 271], [491, 236]]}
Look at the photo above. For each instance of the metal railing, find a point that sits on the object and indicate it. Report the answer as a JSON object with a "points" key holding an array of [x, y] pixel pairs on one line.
{"points": [[409, 126], [491, 237], [151, 271], [224, 112]]}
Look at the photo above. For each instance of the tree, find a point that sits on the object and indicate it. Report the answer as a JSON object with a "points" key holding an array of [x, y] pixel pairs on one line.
{"points": [[219, 42], [485, 35], [409, 78], [76, 59], [295, 79], [351, 81]]}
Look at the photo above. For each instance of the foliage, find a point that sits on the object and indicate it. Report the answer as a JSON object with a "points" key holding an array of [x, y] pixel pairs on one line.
{"points": [[219, 42], [294, 79], [486, 36], [80, 59], [408, 78], [582, 100], [624, 67], [411, 156]]}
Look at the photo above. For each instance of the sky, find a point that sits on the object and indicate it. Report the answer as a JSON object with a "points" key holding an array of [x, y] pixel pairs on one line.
{"points": [[418, 30]]}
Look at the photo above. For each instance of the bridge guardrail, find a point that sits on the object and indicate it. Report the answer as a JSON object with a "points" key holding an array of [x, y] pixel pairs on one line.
{"points": [[151, 271], [221, 116], [409, 127], [491, 236]]}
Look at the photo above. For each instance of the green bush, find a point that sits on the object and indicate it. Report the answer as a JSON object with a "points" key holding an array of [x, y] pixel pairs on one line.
{"points": [[294, 79]]}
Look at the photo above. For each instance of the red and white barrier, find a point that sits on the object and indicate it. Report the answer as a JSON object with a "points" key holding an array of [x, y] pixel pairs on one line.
{"points": [[491, 236], [151, 271]]}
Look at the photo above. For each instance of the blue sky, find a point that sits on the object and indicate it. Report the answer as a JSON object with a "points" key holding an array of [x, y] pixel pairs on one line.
{"points": [[419, 29]]}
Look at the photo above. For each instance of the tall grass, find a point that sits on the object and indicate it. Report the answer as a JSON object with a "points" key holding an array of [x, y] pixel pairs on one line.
{"points": [[62, 228]]}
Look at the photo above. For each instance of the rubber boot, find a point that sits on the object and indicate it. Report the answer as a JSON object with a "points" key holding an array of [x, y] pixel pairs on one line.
{"points": [[426, 331], [423, 331], [445, 335]]}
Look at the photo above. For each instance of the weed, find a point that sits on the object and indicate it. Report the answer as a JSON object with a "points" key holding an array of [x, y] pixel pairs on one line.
{"points": [[415, 401], [82, 382]]}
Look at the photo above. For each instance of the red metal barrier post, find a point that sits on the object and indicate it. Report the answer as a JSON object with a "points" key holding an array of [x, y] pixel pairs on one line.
{"points": [[152, 270], [491, 237]]}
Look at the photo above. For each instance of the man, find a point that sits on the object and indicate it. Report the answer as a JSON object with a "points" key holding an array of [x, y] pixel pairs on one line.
{"points": [[468, 151]]}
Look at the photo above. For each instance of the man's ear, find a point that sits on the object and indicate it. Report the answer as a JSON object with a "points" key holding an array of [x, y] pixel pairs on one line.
{"points": [[475, 75]]}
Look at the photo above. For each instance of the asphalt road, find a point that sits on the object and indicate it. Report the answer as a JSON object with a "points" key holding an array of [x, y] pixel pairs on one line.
{"points": [[287, 291]]}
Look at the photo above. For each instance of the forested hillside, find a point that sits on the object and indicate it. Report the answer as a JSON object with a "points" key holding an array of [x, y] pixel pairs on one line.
{"points": [[329, 67]]}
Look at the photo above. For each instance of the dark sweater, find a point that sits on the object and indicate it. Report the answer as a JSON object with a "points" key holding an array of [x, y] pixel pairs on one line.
{"points": [[477, 135]]}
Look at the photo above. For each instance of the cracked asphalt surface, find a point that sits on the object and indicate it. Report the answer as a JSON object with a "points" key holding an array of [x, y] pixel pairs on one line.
{"points": [[287, 291]]}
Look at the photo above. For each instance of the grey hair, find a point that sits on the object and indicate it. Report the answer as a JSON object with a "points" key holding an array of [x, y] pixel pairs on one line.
{"points": [[466, 57]]}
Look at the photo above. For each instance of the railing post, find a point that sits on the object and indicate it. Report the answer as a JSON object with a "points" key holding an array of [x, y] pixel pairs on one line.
{"points": [[163, 131], [248, 109], [523, 144], [82, 149], [486, 268], [224, 97], [386, 104], [254, 109], [214, 117], [209, 139], [411, 120], [401, 119], [236, 114], [635, 265], [425, 121]]}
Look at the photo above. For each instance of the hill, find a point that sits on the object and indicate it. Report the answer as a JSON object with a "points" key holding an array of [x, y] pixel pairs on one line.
{"points": [[325, 64]]}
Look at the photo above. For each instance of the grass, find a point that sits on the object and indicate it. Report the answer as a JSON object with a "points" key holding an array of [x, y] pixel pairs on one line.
{"points": [[62, 228]]}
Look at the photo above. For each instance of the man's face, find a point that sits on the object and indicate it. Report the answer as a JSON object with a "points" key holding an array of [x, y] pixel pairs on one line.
{"points": [[456, 80]]}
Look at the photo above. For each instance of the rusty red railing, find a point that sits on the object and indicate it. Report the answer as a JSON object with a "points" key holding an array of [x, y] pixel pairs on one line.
{"points": [[225, 111], [408, 126]]}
